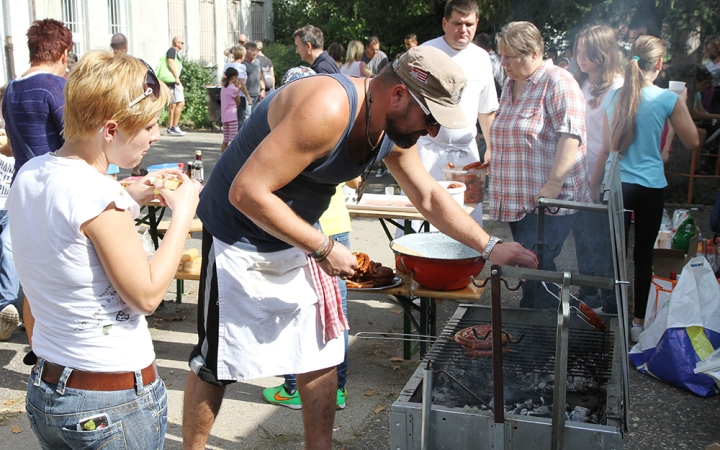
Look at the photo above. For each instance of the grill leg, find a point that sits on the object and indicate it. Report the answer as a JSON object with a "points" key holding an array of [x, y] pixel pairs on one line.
{"points": [[498, 396], [426, 407], [561, 359]]}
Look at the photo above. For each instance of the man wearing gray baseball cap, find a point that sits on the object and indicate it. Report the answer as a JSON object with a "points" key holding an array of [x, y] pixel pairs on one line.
{"points": [[269, 303]]}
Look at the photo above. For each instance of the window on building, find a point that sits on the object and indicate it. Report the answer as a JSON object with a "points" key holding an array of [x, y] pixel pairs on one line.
{"points": [[72, 17], [256, 13], [117, 13], [176, 19], [207, 32], [233, 22]]}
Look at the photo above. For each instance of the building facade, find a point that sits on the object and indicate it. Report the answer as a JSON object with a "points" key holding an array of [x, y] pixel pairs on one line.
{"points": [[207, 26]]}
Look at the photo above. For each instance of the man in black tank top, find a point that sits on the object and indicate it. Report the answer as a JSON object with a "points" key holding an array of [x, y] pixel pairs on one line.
{"points": [[271, 185]]}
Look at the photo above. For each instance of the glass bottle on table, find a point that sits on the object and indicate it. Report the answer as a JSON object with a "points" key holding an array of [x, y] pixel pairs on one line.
{"points": [[198, 172]]}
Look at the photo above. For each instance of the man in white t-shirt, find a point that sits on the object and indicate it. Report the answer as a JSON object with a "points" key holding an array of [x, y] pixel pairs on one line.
{"points": [[479, 99]]}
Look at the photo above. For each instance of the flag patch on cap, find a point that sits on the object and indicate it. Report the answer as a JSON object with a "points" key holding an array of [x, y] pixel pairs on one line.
{"points": [[457, 96], [419, 74]]}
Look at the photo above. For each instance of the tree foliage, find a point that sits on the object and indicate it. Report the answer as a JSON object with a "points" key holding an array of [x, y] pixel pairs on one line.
{"points": [[345, 20], [390, 21]]}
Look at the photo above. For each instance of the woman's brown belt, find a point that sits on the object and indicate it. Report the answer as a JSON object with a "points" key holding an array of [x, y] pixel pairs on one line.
{"points": [[97, 381]]}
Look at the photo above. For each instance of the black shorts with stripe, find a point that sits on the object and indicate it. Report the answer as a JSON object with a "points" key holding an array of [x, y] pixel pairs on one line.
{"points": [[208, 316]]}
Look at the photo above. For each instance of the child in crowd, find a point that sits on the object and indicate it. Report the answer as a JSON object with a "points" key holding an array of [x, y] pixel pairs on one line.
{"points": [[598, 73], [634, 119], [229, 102]]}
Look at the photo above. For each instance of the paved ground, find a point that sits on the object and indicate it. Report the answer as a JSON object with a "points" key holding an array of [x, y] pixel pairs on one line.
{"points": [[662, 417]]}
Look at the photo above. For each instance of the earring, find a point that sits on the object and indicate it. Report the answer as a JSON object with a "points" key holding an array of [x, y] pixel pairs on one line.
{"points": [[111, 140]]}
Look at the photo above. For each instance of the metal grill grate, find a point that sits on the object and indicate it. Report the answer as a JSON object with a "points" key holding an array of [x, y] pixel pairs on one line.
{"points": [[590, 352]]}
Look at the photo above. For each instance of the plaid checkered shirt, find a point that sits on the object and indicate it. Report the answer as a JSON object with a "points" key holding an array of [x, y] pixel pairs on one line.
{"points": [[524, 137]]}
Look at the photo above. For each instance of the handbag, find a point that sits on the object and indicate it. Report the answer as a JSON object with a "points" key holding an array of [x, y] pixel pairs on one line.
{"points": [[163, 72]]}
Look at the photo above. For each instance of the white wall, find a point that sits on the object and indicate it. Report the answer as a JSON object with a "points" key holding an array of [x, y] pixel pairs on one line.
{"points": [[148, 34]]}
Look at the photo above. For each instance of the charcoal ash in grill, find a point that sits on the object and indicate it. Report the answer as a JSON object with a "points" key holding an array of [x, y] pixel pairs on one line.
{"points": [[580, 414], [525, 394]]}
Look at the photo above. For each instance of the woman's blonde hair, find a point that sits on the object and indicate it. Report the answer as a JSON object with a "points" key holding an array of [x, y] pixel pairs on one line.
{"points": [[521, 37], [354, 52], [714, 40], [601, 47], [238, 52], [100, 88], [644, 56]]}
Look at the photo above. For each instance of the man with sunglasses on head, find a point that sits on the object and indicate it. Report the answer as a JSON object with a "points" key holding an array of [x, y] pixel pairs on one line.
{"points": [[479, 100], [269, 302], [177, 102]]}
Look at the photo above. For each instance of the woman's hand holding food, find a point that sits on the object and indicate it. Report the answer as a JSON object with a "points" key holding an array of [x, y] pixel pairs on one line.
{"points": [[180, 194], [144, 190]]}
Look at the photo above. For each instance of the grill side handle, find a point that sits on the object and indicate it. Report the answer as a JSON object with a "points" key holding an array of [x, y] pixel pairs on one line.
{"points": [[561, 360]]}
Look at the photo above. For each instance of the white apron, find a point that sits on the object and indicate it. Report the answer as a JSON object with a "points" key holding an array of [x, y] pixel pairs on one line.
{"points": [[268, 316]]}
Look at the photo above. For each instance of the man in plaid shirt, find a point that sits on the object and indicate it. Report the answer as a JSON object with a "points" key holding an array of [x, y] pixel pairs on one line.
{"points": [[539, 139]]}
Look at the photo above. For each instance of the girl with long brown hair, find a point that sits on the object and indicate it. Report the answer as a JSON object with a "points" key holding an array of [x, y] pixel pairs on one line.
{"points": [[638, 111], [598, 73]]}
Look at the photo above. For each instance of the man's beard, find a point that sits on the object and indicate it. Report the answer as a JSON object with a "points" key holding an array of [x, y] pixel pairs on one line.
{"points": [[393, 123]]}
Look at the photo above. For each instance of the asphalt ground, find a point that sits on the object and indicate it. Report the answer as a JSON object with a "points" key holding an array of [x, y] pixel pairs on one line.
{"points": [[662, 416]]}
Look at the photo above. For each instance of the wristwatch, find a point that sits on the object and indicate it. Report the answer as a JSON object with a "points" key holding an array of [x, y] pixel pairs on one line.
{"points": [[490, 245]]}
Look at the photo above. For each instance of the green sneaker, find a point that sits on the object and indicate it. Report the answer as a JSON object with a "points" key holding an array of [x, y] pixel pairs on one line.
{"points": [[279, 396], [341, 397]]}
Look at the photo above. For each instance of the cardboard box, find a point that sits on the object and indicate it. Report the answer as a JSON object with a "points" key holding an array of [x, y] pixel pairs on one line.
{"points": [[666, 260]]}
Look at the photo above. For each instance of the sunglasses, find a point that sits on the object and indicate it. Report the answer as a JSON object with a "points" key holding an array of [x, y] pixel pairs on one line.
{"points": [[151, 86], [429, 119]]}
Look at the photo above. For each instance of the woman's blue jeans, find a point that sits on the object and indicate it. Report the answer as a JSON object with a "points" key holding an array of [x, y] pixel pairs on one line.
{"points": [[137, 417], [9, 281]]}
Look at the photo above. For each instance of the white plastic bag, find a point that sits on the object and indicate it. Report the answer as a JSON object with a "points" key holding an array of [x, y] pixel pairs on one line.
{"points": [[686, 331], [679, 216], [711, 366], [660, 292], [147, 242]]}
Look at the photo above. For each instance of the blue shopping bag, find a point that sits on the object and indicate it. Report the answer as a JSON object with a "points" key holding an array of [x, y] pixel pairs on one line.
{"points": [[686, 331]]}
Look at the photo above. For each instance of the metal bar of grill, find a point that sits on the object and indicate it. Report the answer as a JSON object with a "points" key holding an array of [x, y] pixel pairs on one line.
{"points": [[589, 352]]}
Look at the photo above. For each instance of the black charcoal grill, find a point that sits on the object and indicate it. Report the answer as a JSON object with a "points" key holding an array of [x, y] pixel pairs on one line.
{"points": [[510, 401]]}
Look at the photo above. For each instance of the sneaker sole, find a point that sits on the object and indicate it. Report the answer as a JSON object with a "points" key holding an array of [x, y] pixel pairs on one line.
{"points": [[9, 320], [295, 407]]}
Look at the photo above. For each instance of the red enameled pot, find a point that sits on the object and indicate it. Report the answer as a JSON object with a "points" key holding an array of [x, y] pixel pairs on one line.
{"points": [[437, 261]]}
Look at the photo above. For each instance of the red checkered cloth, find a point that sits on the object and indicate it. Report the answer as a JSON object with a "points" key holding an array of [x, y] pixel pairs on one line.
{"points": [[330, 313], [524, 138]]}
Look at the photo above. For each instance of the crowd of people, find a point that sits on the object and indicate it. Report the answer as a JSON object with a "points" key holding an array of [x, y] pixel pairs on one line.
{"points": [[275, 248]]}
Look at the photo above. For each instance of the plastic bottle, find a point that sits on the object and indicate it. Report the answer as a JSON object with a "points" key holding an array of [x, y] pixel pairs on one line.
{"points": [[189, 168]]}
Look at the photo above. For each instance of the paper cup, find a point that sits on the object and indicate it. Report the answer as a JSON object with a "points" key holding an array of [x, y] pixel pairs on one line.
{"points": [[389, 190], [677, 86]]}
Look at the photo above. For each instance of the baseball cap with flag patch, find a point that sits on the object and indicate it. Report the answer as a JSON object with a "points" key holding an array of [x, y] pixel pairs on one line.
{"points": [[431, 73]]}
